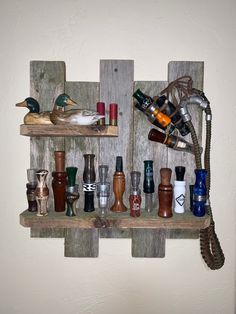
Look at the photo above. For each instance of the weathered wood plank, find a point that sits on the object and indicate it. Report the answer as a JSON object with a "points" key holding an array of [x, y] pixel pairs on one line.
{"points": [[116, 86], [150, 243], [114, 233], [81, 242], [177, 69], [113, 220], [68, 130], [143, 149], [47, 232], [182, 234], [46, 83], [86, 94]]}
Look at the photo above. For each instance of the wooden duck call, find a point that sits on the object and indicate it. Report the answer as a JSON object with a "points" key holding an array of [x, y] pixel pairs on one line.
{"points": [[119, 187], [165, 194]]}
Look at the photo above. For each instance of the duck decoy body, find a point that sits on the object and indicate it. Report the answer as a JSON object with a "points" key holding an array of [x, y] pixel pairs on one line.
{"points": [[72, 116], [34, 116]]}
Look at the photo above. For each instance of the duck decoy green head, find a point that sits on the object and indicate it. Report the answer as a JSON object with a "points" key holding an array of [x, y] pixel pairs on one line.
{"points": [[29, 103], [64, 100]]}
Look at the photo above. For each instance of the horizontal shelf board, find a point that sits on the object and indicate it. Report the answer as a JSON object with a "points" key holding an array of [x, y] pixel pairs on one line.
{"points": [[114, 220], [68, 130]]}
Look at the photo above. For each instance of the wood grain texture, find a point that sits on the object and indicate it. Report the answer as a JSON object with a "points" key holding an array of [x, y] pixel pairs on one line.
{"points": [[116, 86], [177, 69], [68, 130], [150, 243], [113, 220], [148, 233], [47, 81], [143, 149], [81, 242], [116, 233], [86, 94], [47, 232]]}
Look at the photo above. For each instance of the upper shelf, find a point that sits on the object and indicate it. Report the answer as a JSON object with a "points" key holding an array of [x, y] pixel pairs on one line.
{"points": [[115, 220], [68, 130]]}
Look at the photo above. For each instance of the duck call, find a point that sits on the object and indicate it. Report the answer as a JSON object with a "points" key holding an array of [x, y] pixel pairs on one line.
{"points": [[179, 190], [103, 189], [148, 185], [165, 194], [72, 191], [151, 109], [172, 141], [31, 187], [119, 187], [89, 185], [59, 182], [42, 193], [200, 193], [135, 194]]}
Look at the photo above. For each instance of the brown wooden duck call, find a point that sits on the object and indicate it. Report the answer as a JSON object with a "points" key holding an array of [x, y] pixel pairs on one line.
{"points": [[119, 187], [59, 182], [165, 194]]}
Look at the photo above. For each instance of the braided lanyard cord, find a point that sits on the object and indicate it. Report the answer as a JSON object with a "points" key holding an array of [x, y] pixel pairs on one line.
{"points": [[211, 250]]}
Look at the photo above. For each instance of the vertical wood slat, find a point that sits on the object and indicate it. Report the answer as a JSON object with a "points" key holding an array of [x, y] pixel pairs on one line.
{"points": [[177, 69], [144, 150], [86, 94], [81, 242], [116, 86], [47, 81], [148, 244]]}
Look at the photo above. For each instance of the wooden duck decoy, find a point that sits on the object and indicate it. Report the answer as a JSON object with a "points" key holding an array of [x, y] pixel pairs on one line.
{"points": [[73, 116], [34, 116]]}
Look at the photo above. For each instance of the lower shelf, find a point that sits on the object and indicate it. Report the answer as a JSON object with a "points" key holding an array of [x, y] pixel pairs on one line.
{"points": [[114, 220], [148, 233]]}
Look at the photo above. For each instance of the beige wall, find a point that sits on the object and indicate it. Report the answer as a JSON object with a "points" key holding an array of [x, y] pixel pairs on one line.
{"points": [[34, 276]]}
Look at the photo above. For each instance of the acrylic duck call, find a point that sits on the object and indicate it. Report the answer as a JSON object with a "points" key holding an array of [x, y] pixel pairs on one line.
{"points": [[119, 187], [31, 187], [148, 185], [72, 191], [165, 194], [89, 185], [179, 190], [41, 192], [135, 198], [59, 182]]}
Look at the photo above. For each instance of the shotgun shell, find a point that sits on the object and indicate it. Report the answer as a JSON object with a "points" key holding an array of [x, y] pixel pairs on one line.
{"points": [[113, 108], [101, 111]]}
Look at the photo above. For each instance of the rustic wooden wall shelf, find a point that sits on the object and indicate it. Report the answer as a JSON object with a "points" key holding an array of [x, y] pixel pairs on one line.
{"points": [[129, 139], [69, 130]]}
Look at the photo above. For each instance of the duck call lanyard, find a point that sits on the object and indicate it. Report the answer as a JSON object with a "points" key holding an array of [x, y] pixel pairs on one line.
{"points": [[209, 244]]}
